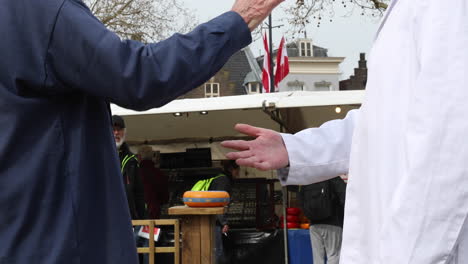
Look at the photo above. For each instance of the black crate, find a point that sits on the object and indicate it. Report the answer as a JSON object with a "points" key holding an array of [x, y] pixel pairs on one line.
{"points": [[198, 157], [172, 160]]}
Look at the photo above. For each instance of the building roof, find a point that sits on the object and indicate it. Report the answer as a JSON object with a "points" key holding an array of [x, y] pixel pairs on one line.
{"points": [[250, 78], [293, 52], [241, 64]]}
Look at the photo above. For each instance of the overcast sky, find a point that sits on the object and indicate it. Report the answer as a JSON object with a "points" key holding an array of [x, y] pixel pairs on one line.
{"points": [[346, 36]]}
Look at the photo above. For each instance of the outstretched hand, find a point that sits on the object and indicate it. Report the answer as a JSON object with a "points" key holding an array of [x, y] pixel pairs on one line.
{"points": [[254, 11], [266, 152]]}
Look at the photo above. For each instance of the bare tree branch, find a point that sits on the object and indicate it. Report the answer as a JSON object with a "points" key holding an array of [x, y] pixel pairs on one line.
{"points": [[143, 20], [306, 12], [379, 4], [117, 13]]}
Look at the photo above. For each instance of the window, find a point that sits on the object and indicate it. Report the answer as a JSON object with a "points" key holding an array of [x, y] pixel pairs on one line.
{"points": [[323, 86], [212, 90], [254, 87], [295, 86], [305, 48]]}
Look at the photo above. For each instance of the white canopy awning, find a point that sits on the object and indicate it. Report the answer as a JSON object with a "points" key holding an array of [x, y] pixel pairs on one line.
{"points": [[213, 119]]}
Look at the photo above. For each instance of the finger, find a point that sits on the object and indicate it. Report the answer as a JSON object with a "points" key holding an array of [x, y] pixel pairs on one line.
{"points": [[239, 155], [249, 162], [236, 144], [248, 129], [263, 166]]}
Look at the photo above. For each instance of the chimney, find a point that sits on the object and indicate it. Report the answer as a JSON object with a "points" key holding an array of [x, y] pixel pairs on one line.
{"points": [[362, 61]]}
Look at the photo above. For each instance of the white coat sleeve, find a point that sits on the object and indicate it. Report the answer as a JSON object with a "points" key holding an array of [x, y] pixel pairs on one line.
{"points": [[432, 201], [318, 154]]}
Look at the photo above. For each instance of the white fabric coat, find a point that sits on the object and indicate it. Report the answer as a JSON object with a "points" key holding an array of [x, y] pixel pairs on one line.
{"points": [[406, 149]]}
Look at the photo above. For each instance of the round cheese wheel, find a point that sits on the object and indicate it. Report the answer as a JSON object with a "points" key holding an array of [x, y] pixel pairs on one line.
{"points": [[290, 225], [290, 218], [206, 198], [293, 225], [293, 211]]}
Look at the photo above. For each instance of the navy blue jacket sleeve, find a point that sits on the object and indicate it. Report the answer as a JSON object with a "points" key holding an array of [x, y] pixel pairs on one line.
{"points": [[83, 55]]}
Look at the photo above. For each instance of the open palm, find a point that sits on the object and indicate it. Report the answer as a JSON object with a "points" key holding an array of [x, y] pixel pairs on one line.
{"points": [[266, 152]]}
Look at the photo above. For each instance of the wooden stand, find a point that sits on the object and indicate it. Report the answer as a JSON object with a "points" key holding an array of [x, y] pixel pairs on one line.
{"points": [[197, 225]]}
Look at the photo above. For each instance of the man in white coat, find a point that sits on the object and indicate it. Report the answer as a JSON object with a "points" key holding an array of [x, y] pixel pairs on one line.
{"points": [[406, 149]]}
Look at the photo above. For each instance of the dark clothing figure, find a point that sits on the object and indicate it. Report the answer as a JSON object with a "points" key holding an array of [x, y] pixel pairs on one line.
{"points": [[337, 189], [323, 204], [222, 183], [156, 188], [133, 183], [60, 196]]}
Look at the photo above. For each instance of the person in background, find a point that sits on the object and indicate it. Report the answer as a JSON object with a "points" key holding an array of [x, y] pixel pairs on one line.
{"points": [[323, 204], [155, 182], [130, 171], [130, 174], [60, 68], [223, 182]]}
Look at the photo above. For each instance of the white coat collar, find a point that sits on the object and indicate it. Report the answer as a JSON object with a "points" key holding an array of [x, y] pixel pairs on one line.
{"points": [[389, 10]]}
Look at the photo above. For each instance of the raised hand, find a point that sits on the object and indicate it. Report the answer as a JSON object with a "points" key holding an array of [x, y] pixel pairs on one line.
{"points": [[266, 152], [254, 11]]}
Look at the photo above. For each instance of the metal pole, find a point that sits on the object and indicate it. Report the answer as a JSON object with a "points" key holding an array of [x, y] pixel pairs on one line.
{"points": [[285, 225], [285, 197], [272, 75]]}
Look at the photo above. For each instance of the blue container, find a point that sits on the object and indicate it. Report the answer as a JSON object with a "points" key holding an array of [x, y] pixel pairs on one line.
{"points": [[299, 247]]}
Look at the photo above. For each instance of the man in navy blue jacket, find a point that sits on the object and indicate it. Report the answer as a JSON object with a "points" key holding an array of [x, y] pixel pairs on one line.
{"points": [[61, 197]]}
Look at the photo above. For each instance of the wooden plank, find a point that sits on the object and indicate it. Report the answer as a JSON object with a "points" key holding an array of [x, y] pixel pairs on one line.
{"points": [[166, 222], [151, 242], [141, 222], [146, 250], [165, 250], [212, 236], [177, 242], [185, 210], [191, 240], [156, 222], [206, 241]]}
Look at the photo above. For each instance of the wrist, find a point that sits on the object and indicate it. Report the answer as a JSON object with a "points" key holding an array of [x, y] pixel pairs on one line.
{"points": [[251, 22]]}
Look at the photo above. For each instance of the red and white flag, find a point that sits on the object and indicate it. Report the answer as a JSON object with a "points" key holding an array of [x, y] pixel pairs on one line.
{"points": [[266, 73], [282, 63]]}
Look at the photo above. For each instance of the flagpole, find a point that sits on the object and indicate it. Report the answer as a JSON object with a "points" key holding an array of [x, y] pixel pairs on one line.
{"points": [[284, 190], [272, 74]]}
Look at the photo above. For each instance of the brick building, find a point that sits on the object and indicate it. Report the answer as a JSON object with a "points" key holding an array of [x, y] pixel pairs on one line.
{"points": [[240, 75], [359, 79]]}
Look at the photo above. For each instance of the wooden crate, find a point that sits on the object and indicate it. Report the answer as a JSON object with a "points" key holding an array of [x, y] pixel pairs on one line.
{"points": [[152, 249]]}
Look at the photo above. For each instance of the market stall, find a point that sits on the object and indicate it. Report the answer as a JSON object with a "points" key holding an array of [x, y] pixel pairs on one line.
{"points": [[188, 133], [212, 119]]}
